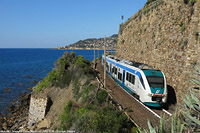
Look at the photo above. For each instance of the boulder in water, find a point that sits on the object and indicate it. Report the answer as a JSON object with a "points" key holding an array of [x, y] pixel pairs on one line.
{"points": [[34, 82], [30, 88], [19, 84], [28, 76], [7, 90]]}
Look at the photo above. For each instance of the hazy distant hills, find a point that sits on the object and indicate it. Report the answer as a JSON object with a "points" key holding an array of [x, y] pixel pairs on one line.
{"points": [[90, 43]]}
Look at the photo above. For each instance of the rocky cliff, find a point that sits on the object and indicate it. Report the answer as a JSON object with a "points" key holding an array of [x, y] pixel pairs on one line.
{"points": [[70, 99], [166, 35]]}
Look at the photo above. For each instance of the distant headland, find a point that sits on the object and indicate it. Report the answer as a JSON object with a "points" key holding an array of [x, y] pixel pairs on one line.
{"points": [[92, 43]]}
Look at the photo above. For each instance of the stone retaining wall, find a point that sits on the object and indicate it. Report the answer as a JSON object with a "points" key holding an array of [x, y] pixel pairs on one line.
{"points": [[165, 35], [37, 110]]}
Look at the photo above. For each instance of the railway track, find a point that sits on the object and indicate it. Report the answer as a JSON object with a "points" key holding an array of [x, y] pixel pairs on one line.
{"points": [[140, 113]]}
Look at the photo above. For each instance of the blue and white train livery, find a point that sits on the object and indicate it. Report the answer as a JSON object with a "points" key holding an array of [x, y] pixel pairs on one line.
{"points": [[149, 84]]}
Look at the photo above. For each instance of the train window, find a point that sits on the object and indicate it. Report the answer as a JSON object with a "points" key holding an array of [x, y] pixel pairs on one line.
{"points": [[130, 78], [119, 76], [115, 70], [155, 82], [133, 79], [142, 82], [127, 76]]}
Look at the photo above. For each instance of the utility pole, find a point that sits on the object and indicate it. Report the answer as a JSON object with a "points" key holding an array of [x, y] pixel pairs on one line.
{"points": [[94, 59], [98, 52], [105, 62]]}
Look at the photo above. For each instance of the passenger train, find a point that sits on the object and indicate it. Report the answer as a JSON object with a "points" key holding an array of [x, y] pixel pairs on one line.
{"points": [[136, 78]]}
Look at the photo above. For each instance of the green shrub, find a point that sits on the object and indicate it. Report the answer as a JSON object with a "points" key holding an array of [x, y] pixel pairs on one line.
{"points": [[85, 67], [192, 2], [129, 110], [101, 96], [76, 86], [182, 26], [82, 117], [149, 2], [87, 94], [66, 79], [103, 120], [108, 120], [94, 119], [146, 10], [66, 117], [47, 81]]}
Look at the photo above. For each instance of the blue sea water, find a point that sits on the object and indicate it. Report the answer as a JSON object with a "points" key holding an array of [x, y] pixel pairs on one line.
{"points": [[19, 67]]}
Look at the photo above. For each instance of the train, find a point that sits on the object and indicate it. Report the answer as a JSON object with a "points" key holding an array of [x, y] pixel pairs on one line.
{"points": [[141, 80]]}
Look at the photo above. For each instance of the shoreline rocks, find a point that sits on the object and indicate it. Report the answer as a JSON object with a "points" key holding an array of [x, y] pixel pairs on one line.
{"points": [[17, 116], [34, 82]]}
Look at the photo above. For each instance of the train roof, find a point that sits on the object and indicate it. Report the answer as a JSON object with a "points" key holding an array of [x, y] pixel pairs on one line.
{"points": [[153, 73], [131, 63]]}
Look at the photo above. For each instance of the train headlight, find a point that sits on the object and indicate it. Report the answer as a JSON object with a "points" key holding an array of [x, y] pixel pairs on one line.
{"points": [[165, 95]]}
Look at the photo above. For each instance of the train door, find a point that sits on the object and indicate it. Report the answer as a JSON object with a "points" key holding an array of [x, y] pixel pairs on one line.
{"points": [[110, 68], [123, 78], [137, 86], [130, 81], [140, 90], [114, 71], [120, 75]]}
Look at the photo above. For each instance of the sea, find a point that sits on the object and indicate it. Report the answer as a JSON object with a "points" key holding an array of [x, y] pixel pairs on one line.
{"points": [[21, 69]]}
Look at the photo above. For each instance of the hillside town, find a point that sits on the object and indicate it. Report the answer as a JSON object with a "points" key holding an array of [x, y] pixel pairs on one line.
{"points": [[92, 43]]}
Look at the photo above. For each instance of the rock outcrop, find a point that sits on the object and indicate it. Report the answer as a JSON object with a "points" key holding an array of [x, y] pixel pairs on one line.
{"points": [[166, 35]]}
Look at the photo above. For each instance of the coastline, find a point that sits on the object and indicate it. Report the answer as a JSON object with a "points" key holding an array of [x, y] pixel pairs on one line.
{"points": [[84, 49], [17, 116]]}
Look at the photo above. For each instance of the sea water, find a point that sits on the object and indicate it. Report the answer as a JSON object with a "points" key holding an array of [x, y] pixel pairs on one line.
{"points": [[20, 69]]}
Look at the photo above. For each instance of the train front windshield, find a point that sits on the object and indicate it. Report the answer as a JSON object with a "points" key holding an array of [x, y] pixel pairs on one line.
{"points": [[155, 81]]}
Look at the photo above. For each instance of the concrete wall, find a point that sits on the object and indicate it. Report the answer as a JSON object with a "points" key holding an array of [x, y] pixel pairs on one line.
{"points": [[165, 35]]}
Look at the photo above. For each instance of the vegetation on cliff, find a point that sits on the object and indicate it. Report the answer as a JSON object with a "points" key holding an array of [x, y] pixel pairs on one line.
{"points": [[65, 70], [88, 109], [149, 1], [191, 2], [93, 118]]}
